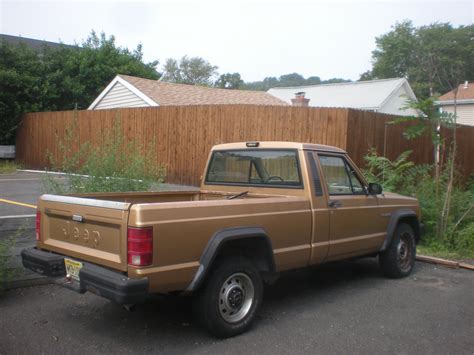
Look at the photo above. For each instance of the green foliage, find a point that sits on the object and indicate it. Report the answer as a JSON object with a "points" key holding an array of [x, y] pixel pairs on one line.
{"points": [[433, 58], [397, 175], [229, 81], [61, 78], [293, 79], [427, 121], [403, 177], [116, 165], [194, 70], [22, 83]]}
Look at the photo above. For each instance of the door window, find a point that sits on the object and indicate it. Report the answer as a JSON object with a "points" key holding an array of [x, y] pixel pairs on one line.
{"points": [[340, 177]]}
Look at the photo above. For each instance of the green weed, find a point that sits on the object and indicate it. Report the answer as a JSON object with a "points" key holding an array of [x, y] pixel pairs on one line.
{"points": [[116, 165]]}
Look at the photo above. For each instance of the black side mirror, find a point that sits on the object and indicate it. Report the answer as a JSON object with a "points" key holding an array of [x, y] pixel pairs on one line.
{"points": [[374, 188]]}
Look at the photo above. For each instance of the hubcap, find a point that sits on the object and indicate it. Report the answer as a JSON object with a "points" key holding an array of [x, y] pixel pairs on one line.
{"points": [[404, 252], [236, 297]]}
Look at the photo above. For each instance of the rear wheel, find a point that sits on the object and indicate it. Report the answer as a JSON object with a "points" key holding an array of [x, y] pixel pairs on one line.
{"points": [[398, 260], [229, 301]]}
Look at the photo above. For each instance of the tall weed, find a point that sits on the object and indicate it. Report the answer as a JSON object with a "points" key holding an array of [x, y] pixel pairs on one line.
{"points": [[116, 165]]}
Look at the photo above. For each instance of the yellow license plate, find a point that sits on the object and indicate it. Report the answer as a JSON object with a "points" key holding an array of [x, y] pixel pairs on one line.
{"points": [[72, 268]]}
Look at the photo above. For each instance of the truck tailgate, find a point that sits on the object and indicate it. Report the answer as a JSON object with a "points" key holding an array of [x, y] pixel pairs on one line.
{"points": [[86, 229]]}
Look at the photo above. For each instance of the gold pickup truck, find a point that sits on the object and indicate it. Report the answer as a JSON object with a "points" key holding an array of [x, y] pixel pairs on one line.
{"points": [[263, 207]]}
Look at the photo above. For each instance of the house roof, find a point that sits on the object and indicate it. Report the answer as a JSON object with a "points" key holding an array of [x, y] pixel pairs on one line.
{"points": [[167, 94], [368, 95], [35, 44], [465, 92]]}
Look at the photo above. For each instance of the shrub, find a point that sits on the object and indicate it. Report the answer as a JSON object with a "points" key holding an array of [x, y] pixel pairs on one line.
{"points": [[404, 177]]}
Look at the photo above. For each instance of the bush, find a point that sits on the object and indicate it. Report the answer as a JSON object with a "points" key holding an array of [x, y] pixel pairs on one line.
{"points": [[113, 166], [404, 177]]}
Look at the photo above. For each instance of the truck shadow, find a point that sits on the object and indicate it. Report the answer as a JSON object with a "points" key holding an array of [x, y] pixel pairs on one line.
{"points": [[168, 318]]}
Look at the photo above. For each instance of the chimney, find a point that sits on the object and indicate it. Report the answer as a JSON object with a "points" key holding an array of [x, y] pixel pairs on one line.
{"points": [[300, 100], [466, 83]]}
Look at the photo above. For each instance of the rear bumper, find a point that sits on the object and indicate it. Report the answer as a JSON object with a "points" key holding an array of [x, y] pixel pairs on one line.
{"points": [[101, 281]]}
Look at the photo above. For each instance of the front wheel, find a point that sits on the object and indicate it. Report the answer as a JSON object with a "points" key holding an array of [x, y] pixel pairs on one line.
{"points": [[398, 260], [229, 301]]}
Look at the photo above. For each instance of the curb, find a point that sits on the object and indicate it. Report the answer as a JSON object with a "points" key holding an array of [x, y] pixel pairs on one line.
{"points": [[444, 262]]}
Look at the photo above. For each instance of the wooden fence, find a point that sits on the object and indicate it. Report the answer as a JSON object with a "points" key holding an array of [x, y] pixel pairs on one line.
{"points": [[183, 135]]}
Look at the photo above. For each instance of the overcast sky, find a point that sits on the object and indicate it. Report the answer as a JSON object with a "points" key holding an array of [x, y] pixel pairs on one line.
{"points": [[255, 38]]}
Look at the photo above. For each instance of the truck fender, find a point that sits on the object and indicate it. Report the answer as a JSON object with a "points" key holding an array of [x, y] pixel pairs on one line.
{"points": [[395, 219], [218, 240]]}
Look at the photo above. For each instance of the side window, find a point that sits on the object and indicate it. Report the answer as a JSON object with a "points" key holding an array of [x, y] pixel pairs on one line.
{"points": [[340, 178]]}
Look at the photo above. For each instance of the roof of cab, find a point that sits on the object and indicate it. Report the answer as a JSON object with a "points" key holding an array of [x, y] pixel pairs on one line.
{"points": [[281, 145]]}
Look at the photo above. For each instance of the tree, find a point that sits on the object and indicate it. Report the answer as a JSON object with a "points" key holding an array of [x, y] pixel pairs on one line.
{"points": [[229, 81], [21, 86], [194, 71], [430, 57], [293, 79], [78, 75], [61, 78]]}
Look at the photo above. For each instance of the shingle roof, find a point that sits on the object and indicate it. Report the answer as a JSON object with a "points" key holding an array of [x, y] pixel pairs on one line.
{"points": [[360, 94], [465, 92], [166, 94], [35, 44]]}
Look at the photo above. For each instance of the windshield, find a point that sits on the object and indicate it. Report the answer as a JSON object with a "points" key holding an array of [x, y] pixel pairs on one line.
{"points": [[278, 168]]}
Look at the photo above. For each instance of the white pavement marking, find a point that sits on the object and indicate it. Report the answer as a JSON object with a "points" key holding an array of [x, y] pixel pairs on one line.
{"points": [[18, 216]]}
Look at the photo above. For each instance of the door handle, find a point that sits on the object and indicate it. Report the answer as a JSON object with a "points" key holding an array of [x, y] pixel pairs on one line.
{"points": [[335, 203]]}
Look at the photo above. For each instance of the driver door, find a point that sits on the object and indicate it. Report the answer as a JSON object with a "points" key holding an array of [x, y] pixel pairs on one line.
{"points": [[355, 222]]}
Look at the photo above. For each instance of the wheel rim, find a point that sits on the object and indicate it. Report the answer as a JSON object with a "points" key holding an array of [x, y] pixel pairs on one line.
{"points": [[405, 252], [236, 297]]}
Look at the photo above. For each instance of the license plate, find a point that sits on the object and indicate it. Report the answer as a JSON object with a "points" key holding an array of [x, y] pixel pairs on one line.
{"points": [[72, 268]]}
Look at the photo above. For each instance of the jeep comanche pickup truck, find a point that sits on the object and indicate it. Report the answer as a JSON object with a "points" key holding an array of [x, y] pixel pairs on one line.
{"points": [[263, 207]]}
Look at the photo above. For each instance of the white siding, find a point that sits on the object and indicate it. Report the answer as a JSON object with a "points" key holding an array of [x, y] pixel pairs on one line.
{"points": [[396, 102], [120, 96], [465, 113]]}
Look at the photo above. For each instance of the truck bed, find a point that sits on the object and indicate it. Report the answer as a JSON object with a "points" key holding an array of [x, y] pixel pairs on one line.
{"points": [[93, 227]]}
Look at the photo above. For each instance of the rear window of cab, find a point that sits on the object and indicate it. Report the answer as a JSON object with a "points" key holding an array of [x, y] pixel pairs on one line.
{"points": [[262, 167]]}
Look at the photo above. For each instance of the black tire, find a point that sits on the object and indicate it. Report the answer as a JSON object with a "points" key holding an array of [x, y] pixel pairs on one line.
{"points": [[228, 290], [398, 260]]}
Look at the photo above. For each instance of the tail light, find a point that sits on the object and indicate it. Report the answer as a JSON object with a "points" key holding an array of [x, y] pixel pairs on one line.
{"points": [[140, 246], [38, 225]]}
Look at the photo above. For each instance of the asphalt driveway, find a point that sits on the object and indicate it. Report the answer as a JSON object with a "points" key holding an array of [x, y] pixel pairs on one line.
{"points": [[342, 308]]}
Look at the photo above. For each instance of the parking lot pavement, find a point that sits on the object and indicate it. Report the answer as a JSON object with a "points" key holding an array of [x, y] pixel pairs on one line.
{"points": [[341, 308]]}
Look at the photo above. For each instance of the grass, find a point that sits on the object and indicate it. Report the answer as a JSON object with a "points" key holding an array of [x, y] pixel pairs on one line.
{"points": [[8, 166], [443, 253]]}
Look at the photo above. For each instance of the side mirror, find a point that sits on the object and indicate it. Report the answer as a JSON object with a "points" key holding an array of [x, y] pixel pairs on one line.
{"points": [[374, 188]]}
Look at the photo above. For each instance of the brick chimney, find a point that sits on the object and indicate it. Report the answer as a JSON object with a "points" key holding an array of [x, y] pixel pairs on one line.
{"points": [[300, 100]]}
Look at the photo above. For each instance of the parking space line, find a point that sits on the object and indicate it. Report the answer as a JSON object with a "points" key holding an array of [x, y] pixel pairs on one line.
{"points": [[17, 203], [18, 216]]}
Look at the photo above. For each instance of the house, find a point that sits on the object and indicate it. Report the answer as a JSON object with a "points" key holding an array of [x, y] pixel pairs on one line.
{"points": [[464, 103], [385, 95], [130, 91]]}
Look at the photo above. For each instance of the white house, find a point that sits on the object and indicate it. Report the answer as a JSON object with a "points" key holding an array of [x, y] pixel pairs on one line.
{"points": [[385, 95], [130, 91], [464, 103]]}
